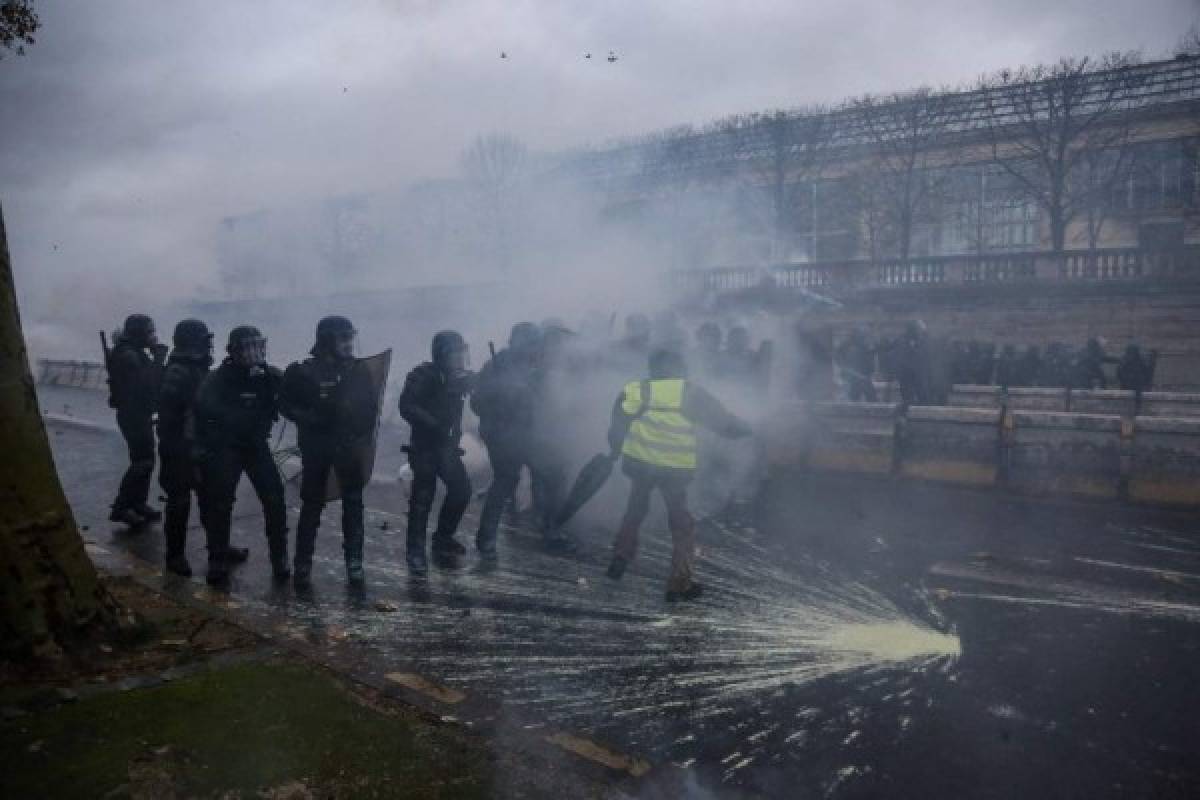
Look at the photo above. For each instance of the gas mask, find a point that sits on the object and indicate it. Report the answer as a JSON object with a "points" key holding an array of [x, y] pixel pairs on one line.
{"points": [[251, 352], [458, 361], [343, 345]]}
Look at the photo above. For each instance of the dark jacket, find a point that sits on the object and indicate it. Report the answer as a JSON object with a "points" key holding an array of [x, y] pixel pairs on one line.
{"points": [[133, 379], [332, 401], [432, 405], [700, 407], [236, 407], [504, 398], [177, 399]]}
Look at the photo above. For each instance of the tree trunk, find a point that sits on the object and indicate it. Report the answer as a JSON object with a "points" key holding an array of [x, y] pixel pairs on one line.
{"points": [[1058, 230], [49, 592]]}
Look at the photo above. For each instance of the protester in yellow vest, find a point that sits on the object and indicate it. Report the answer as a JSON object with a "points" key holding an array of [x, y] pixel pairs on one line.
{"points": [[653, 427]]}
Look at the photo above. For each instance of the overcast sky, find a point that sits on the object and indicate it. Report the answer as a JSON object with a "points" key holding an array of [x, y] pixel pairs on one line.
{"points": [[131, 128]]}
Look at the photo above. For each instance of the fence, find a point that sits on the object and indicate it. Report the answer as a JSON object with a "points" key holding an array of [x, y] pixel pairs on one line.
{"points": [[1066, 267], [76, 374]]}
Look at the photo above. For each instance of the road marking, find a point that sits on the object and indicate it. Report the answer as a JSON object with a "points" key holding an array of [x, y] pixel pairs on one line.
{"points": [[443, 694], [588, 749]]}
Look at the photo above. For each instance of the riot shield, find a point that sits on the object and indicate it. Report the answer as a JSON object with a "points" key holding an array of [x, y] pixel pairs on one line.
{"points": [[377, 367]]}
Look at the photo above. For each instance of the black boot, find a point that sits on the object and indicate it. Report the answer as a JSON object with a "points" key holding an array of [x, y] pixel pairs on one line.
{"points": [[486, 545], [447, 545], [352, 549], [127, 516], [306, 541], [236, 555], [147, 513], [218, 571], [179, 565], [175, 533], [277, 548], [418, 520]]}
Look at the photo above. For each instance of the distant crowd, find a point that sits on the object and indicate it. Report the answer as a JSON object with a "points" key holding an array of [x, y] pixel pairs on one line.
{"points": [[926, 368]]}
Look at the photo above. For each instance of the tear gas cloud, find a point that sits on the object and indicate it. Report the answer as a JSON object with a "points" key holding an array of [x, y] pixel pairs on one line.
{"points": [[154, 157]]}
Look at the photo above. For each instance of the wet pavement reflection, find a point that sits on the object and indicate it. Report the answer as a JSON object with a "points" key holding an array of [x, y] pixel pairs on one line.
{"points": [[858, 640]]}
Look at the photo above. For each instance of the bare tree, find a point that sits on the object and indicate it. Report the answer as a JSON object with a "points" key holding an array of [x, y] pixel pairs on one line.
{"points": [[784, 154], [50, 592], [906, 157], [1049, 125], [675, 179], [18, 23], [494, 166]]}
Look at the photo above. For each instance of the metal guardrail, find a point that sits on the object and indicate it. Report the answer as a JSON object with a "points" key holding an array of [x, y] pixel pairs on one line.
{"points": [[1066, 267], [76, 374]]}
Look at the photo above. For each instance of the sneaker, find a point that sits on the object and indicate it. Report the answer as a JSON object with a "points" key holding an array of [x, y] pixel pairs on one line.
{"points": [[179, 565], [690, 593], [127, 516], [150, 514], [616, 568], [448, 546]]}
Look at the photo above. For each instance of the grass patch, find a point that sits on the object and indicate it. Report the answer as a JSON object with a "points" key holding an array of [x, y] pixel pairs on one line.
{"points": [[244, 728]]}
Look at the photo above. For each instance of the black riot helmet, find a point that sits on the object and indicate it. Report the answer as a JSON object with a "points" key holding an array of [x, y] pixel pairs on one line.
{"points": [[139, 331], [335, 336], [524, 337], [708, 337], [193, 337], [450, 352], [666, 364], [247, 346]]}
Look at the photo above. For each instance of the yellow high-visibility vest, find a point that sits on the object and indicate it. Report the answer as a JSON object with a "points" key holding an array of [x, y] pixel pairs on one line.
{"points": [[662, 436]]}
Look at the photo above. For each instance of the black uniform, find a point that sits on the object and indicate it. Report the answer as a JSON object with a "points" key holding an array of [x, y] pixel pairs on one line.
{"points": [[1089, 368], [856, 360], [506, 399], [1136, 373], [235, 410], [1008, 369], [914, 366], [186, 370], [332, 402], [134, 379], [431, 402]]}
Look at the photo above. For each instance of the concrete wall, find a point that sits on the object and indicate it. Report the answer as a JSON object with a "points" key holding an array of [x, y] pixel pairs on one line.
{"points": [[966, 395], [1036, 399], [1104, 401], [853, 437], [952, 445], [1166, 461], [1058, 453], [1170, 404]]}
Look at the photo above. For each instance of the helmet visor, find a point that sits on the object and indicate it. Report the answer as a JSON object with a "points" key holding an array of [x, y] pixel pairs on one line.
{"points": [[251, 352]]}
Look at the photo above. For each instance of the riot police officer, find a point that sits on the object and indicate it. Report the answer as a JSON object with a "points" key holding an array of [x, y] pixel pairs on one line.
{"points": [[235, 409], [135, 368], [431, 402], [331, 399], [187, 368]]}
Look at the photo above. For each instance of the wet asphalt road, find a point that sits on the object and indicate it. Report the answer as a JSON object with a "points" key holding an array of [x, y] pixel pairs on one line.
{"points": [[858, 638]]}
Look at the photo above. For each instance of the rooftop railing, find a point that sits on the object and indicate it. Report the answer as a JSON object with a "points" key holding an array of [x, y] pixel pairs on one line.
{"points": [[1067, 267]]}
